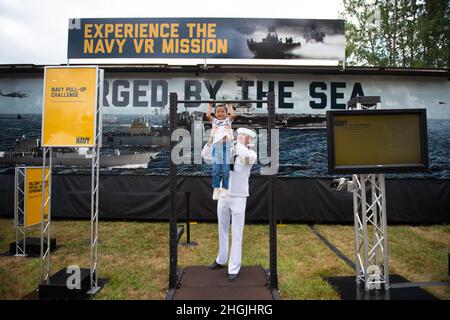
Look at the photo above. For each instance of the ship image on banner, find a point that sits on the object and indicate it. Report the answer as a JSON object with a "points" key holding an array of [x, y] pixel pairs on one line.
{"points": [[201, 38], [272, 47]]}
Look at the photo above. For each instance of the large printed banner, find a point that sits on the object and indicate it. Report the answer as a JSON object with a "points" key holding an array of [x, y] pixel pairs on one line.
{"points": [[33, 196], [235, 38], [70, 97]]}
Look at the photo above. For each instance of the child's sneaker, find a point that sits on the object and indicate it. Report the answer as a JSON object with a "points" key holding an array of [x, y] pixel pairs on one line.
{"points": [[224, 193], [216, 194]]}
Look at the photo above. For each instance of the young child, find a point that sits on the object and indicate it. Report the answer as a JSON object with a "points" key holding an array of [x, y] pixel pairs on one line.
{"points": [[221, 137]]}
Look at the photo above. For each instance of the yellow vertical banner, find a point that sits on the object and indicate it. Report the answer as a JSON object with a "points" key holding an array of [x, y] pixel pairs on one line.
{"points": [[33, 196], [68, 115]]}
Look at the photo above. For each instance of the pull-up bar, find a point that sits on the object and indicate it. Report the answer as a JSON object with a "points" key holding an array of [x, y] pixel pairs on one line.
{"points": [[174, 273], [223, 101]]}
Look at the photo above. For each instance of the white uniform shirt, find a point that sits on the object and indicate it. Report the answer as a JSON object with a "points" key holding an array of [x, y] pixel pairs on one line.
{"points": [[238, 183]]}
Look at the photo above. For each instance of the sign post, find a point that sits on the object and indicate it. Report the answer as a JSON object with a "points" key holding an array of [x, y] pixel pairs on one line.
{"points": [[368, 143], [372, 262], [71, 119]]}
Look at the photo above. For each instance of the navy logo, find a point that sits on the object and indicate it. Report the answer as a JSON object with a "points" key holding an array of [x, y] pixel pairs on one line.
{"points": [[340, 123]]}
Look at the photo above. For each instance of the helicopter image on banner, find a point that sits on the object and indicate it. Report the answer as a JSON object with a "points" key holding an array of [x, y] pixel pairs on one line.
{"points": [[17, 94]]}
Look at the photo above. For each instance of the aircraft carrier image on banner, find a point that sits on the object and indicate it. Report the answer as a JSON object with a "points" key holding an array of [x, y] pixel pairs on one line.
{"points": [[140, 133], [28, 152]]}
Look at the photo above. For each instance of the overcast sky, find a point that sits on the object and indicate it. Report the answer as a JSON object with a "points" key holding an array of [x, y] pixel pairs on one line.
{"points": [[35, 31]]}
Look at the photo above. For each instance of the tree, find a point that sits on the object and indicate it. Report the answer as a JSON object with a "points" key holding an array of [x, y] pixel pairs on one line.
{"points": [[407, 33]]}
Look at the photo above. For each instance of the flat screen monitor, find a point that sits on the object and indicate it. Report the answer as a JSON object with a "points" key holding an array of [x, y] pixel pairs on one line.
{"points": [[377, 141]]}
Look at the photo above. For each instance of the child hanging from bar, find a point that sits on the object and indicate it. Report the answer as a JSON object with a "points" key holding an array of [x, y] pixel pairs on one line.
{"points": [[221, 138]]}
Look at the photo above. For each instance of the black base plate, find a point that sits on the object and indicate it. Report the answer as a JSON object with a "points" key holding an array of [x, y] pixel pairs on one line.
{"points": [[349, 290], [34, 295], [56, 287], [33, 246]]}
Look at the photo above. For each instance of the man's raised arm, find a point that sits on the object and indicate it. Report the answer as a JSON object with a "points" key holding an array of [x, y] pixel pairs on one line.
{"points": [[246, 155], [232, 113]]}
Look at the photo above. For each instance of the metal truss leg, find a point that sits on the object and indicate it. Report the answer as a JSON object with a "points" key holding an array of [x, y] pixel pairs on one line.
{"points": [[358, 228], [383, 218], [95, 189], [364, 225], [370, 218], [94, 219], [45, 267], [19, 211]]}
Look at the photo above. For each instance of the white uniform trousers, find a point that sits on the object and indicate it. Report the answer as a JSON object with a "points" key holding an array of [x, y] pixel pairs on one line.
{"points": [[231, 208]]}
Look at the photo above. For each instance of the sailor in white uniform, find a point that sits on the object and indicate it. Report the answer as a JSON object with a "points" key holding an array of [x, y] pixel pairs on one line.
{"points": [[232, 207]]}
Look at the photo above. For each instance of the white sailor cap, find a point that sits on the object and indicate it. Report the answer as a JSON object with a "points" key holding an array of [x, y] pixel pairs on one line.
{"points": [[247, 132]]}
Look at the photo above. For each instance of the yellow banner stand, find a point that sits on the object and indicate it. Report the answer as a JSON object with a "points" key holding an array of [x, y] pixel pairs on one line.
{"points": [[69, 113], [27, 203], [71, 117], [33, 196]]}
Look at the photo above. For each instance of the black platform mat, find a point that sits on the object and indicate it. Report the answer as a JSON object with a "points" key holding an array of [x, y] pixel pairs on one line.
{"points": [[349, 290], [201, 283]]}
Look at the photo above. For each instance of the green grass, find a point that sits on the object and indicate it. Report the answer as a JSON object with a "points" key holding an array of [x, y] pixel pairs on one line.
{"points": [[134, 256], [418, 253]]}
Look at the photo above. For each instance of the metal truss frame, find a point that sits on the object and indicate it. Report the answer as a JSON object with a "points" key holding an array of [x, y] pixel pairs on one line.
{"points": [[371, 246], [19, 211], [45, 259], [95, 188]]}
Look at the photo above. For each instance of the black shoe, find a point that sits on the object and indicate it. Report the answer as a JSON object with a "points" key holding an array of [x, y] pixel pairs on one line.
{"points": [[215, 266], [233, 277]]}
